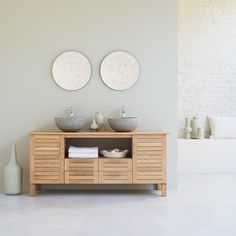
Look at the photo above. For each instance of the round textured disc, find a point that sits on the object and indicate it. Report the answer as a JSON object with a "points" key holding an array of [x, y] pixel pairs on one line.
{"points": [[119, 70], [71, 70]]}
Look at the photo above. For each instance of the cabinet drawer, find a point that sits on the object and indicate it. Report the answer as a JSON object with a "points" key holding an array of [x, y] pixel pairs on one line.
{"points": [[111, 164], [74, 177], [147, 177], [83, 165], [115, 177]]}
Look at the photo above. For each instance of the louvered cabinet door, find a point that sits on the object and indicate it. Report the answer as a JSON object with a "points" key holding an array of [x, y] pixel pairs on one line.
{"points": [[149, 159], [46, 159]]}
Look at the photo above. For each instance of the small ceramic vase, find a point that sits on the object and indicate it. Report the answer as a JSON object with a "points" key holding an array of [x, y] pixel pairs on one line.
{"points": [[12, 174], [187, 128], [99, 120], [93, 126], [194, 125]]}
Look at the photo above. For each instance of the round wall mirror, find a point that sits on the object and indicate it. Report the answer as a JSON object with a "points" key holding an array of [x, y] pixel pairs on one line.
{"points": [[71, 70], [119, 70]]}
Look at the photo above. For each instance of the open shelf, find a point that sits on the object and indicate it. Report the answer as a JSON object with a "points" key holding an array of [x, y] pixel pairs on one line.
{"points": [[101, 143]]}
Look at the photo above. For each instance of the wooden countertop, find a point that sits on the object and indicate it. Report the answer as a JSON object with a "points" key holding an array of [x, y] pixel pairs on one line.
{"points": [[98, 134]]}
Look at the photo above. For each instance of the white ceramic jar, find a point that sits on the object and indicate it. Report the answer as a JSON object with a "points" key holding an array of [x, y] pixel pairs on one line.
{"points": [[194, 125]]}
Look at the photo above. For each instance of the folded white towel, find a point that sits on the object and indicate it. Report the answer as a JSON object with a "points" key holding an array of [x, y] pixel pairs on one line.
{"points": [[83, 155], [73, 149]]}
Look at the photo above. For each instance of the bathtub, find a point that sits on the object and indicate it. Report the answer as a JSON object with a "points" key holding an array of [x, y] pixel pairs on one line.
{"points": [[207, 156]]}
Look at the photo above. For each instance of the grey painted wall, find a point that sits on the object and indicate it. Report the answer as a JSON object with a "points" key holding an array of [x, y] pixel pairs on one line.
{"points": [[33, 33]]}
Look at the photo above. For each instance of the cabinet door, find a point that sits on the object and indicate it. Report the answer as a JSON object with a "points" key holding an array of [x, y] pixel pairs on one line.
{"points": [[47, 159], [149, 159]]}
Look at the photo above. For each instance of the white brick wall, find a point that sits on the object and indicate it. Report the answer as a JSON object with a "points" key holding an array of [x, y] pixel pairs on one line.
{"points": [[207, 59]]}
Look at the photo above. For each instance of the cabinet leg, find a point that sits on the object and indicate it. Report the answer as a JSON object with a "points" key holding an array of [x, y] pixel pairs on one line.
{"points": [[157, 186], [38, 187], [163, 190], [33, 189]]}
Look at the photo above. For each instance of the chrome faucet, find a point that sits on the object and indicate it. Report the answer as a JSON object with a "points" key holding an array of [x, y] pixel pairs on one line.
{"points": [[72, 112], [123, 112]]}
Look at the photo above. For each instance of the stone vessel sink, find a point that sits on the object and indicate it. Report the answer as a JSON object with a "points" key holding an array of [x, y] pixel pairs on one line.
{"points": [[70, 124], [123, 124]]}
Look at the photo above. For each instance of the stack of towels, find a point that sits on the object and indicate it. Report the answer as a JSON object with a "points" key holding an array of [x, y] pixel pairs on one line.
{"points": [[83, 152]]}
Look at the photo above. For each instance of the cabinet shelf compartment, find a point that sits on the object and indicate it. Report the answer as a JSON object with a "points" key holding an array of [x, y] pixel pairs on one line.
{"points": [[101, 143]]}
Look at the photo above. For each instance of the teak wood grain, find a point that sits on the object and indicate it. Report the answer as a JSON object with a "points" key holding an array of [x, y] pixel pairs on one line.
{"points": [[147, 165], [117, 164], [79, 177], [46, 159], [115, 177]]}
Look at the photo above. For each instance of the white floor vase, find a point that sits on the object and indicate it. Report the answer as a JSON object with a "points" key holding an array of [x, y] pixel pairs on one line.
{"points": [[12, 174]]}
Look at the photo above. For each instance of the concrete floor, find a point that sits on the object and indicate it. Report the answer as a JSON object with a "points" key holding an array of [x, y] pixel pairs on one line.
{"points": [[202, 205]]}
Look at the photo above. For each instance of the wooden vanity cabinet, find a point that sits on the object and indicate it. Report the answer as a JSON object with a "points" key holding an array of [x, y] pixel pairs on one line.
{"points": [[146, 165]]}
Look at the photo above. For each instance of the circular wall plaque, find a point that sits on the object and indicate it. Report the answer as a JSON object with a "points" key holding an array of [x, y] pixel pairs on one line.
{"points": [[119, 70], [71, 70]]}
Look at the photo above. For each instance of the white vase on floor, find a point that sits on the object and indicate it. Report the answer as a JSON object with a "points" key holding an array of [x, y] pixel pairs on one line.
{"points": [[12, 174]]}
